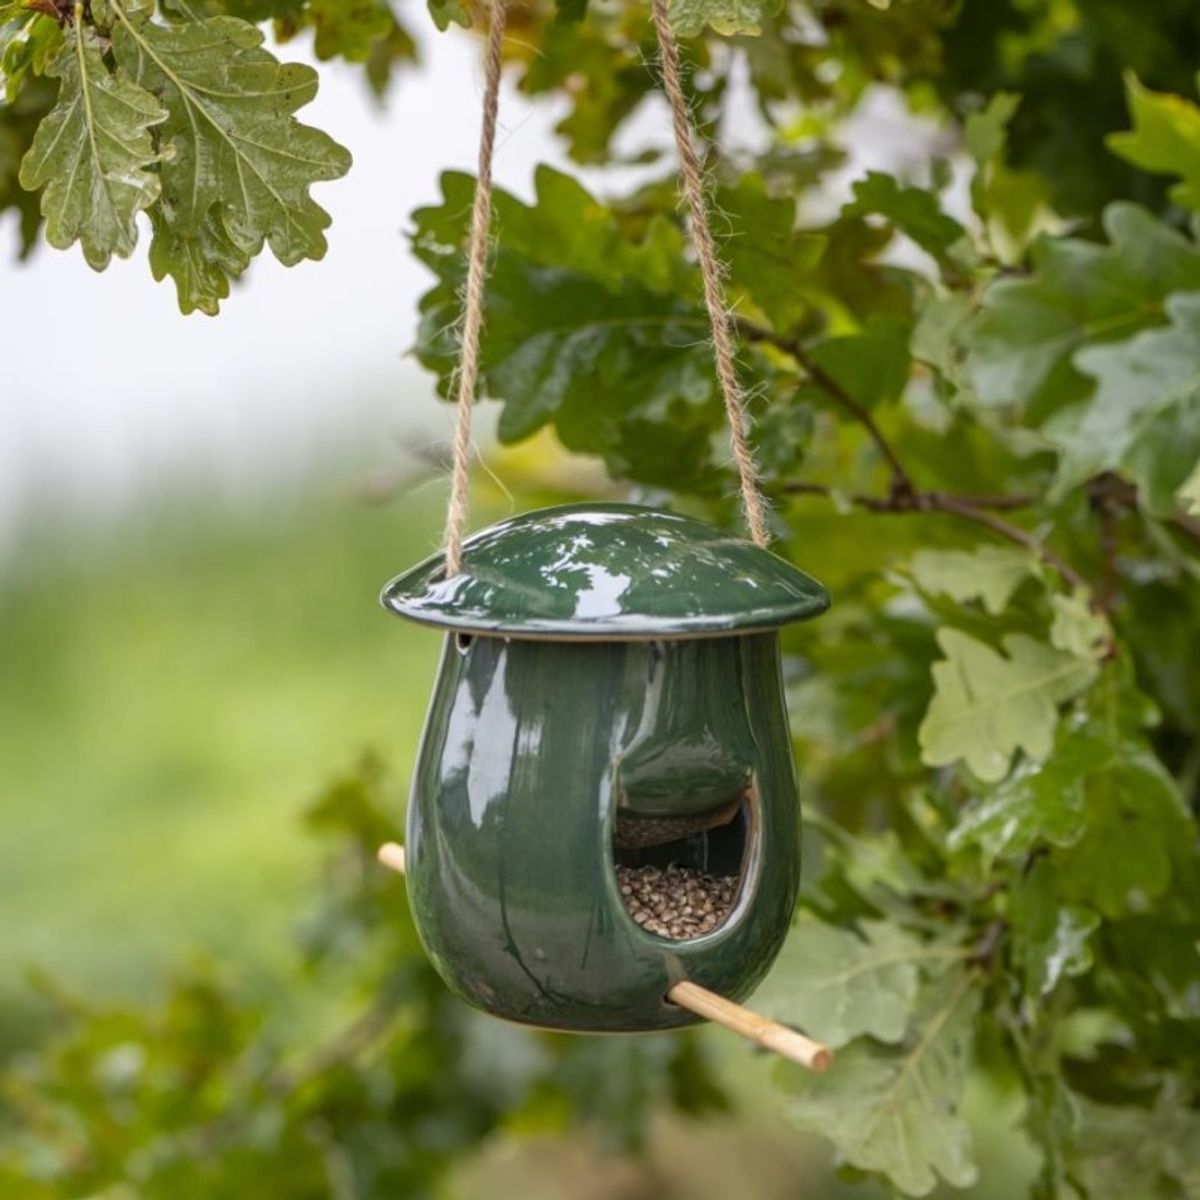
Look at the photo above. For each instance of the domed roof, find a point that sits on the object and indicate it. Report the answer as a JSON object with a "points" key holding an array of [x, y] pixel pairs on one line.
{"points": [[607, 571]]}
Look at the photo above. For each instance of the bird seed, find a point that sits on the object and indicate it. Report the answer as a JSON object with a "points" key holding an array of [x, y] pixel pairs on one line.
{"points": [[676, 902]]}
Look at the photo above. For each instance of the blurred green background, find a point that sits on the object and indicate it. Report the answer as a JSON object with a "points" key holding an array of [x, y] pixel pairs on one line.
{"points": [[175, 685]]}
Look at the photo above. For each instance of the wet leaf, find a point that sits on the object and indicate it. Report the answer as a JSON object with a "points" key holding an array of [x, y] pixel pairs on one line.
{"points": [[1019, 348], [584, 331], [986, 705], [241, 166], [201, 264], [1038, 804], [1144, 415], [837, 985], [1053, 939], [895, 1109], [990, 574], [1077, 628], [93, 155], [1136, 820]]}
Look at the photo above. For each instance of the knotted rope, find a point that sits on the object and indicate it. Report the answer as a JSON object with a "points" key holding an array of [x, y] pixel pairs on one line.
{"points": [[692, 187]]}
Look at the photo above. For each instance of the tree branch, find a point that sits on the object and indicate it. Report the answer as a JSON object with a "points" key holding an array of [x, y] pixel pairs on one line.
{"points": [[1108, 494], [1005, 529], [1108, 491], [1187, 525], [752, 332], [968, 508]]}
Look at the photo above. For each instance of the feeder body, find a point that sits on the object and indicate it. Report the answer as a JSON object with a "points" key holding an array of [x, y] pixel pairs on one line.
{"points": [[532, 751]]}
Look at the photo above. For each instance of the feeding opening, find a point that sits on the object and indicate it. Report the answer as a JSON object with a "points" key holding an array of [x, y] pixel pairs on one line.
{"points": [[680, 876]]}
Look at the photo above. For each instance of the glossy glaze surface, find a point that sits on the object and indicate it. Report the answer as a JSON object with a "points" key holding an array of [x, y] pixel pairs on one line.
{"points": [[529, 748], [607, 571]]}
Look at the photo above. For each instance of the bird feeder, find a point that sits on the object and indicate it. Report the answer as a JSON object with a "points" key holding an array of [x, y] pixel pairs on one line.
{"points": [[604, 803]]}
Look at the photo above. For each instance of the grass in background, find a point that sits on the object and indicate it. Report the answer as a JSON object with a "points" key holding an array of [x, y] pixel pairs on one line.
{"points": [[171, 693]]}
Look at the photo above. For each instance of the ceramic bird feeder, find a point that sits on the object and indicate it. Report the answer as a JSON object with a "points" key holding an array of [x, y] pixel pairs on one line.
{"points": [[609, 710]]}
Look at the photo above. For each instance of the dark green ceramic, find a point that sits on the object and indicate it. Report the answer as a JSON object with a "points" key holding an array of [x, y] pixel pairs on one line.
{"points": [[537, 742], [607, 571]]}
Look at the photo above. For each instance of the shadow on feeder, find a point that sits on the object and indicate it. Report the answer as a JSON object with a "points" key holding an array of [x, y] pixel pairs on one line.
{"points": [[603, 831]]}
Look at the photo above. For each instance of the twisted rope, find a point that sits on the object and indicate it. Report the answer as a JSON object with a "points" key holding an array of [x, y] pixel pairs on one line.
{"points": [[477, 256], [692, 187]]}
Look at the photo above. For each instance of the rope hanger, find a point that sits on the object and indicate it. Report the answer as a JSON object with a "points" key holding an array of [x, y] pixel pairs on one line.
{"points": [[693, 190]]}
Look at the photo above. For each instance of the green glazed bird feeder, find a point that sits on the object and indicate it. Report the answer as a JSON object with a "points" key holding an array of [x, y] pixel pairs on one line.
{"points": [[604, 802]]}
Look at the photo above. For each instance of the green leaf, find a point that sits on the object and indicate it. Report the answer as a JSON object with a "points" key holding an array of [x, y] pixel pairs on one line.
{"points": [[872, 366], [202, 264], [1038, 804], [766, 256], [1000, 194], [1144, 416], [449, 12], [1165, 139], [690, 17], [912, 210], [589, 328], [986, 132], [837, 985], [349, 29], [1052, 939], [19, 123], [1136, 819], [895, 1109], [93, 153], [1077, 628], [1102, 803], [986, 705], [1189, 491], [610, 51], [1018, 350], [1150, 1153], [241, 166], [29, 43], [990, 574], [1159, 964]]}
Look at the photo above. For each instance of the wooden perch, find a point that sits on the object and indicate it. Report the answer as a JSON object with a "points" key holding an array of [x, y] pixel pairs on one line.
{"points": [[391, 854], [770, 1034], [741, 1020]]}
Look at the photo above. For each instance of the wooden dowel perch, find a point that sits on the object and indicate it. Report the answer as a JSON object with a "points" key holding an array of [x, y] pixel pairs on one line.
{"points": [[391, 854], [762, 1030], [752, 1025]]}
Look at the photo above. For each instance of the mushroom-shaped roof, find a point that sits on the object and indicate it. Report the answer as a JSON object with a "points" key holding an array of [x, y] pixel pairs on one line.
{"points": [[607, 571]]}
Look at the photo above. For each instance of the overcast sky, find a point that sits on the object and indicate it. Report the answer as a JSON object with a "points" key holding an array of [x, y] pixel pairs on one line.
{"points": [[108, 390]]}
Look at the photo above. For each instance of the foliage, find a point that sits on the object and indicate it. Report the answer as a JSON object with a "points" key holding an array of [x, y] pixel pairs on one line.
{"points": [[190, 120], [195, 1097], [980, 425]]}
